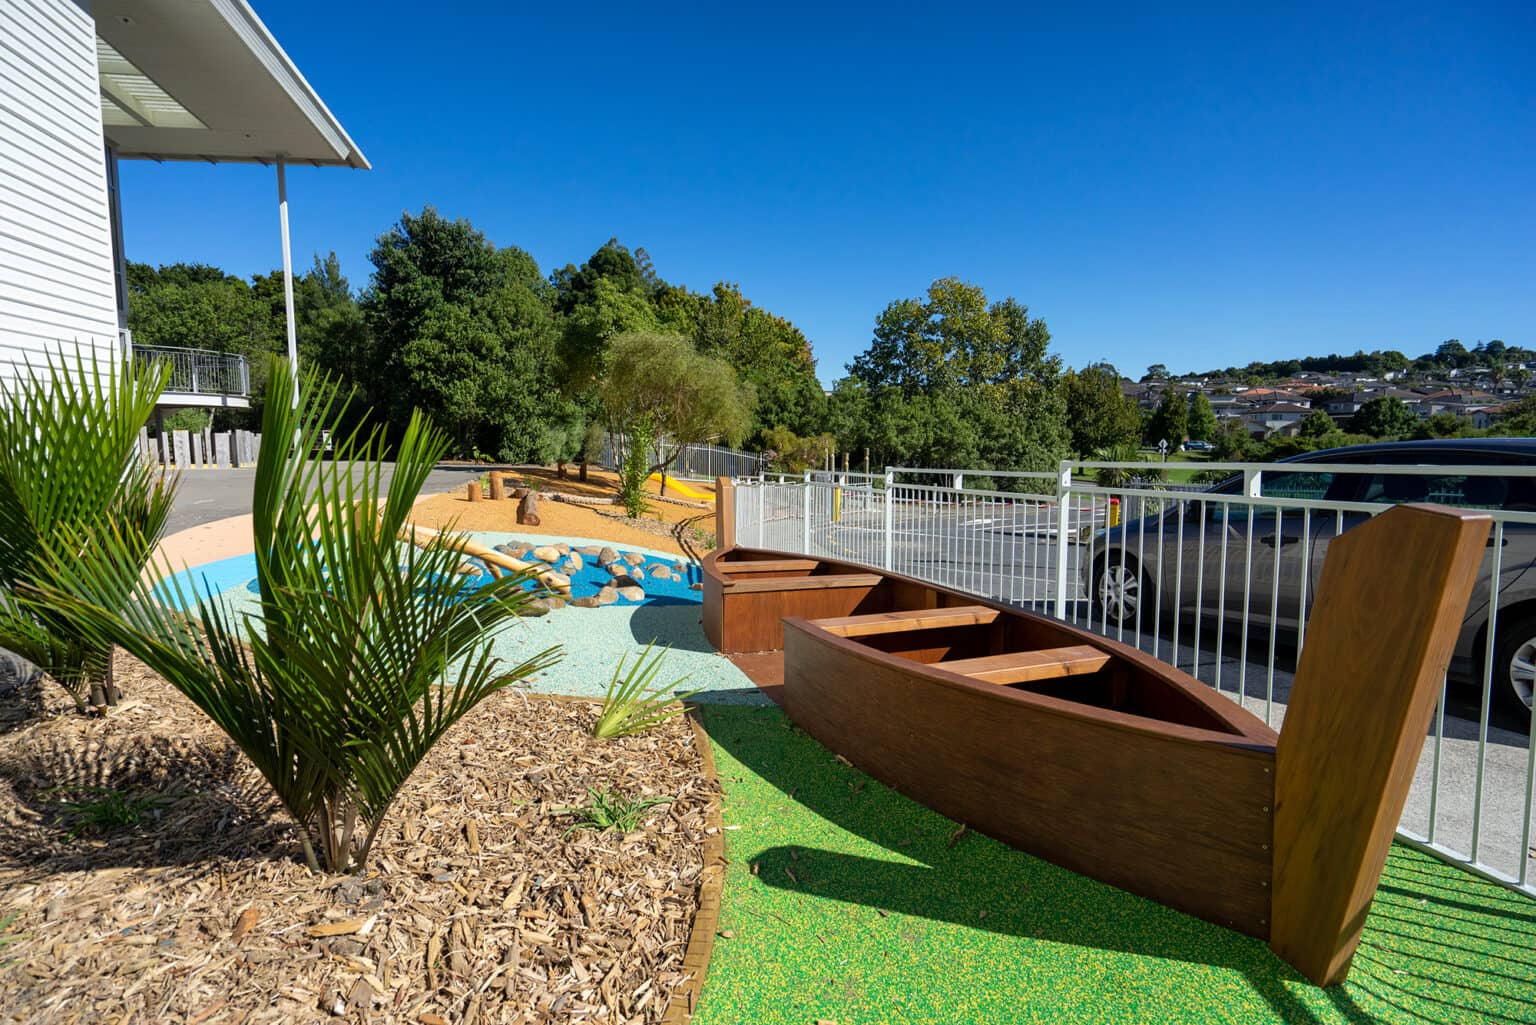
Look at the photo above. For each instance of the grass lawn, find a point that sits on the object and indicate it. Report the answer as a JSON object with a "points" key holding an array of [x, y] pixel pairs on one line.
{"points": [[848, 903]]}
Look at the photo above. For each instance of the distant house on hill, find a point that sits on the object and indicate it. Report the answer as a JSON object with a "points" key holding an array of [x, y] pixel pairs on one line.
{"points": [[1276, 418]]}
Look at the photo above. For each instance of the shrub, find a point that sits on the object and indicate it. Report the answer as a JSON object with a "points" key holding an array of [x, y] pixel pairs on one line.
{"points": [[637, 467], [70, 478], [369, 649]]}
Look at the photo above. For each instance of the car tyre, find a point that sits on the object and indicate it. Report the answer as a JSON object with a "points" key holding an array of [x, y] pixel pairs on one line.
{"points": [[1118, 591], [1514, 666]]}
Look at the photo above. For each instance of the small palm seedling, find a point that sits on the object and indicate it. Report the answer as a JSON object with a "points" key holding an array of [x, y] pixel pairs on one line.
{"points": [[607, 809], [101, 809], [369, 648], [631, 706]]}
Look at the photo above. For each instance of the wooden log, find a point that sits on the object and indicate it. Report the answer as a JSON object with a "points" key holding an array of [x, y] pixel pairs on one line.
{"points": [[1379, 639], [528, 510], [498, 487], [424, 536], [474, 491]]}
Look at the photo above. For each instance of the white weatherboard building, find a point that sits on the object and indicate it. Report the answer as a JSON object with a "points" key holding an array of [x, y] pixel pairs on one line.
{"points": [[86, 83]]}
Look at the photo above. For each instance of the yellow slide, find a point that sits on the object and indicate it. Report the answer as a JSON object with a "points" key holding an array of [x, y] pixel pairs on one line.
{"points": [[677, 486]]}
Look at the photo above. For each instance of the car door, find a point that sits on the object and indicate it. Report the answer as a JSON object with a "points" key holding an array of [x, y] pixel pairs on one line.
{"points": [[1274, 576]]}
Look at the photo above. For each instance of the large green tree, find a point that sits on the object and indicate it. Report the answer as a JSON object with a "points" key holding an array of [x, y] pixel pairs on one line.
{"points": [[1201, 417], [952, 379], [465, 332], [1169, 421], [1098, 413], [1384, 417]]}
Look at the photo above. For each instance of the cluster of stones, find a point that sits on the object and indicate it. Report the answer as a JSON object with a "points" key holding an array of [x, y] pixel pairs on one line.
{"points": [[626, 571]]}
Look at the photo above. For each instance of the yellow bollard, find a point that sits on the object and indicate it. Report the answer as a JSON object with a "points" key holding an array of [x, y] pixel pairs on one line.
{"points": [[1114, 512], [837, 505]]}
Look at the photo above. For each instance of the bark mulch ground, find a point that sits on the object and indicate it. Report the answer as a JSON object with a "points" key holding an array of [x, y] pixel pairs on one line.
{"points": [[192, 904]]}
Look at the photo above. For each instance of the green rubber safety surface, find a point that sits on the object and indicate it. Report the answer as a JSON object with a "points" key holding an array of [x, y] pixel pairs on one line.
{"points": [[849, 903]]}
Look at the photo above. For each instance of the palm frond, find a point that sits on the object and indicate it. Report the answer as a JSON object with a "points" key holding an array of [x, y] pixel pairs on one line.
{"points": [[69, 468]]}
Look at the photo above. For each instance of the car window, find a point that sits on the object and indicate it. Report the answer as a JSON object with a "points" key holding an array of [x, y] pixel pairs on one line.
{"points": [[1454, 489], [1311, 484]]}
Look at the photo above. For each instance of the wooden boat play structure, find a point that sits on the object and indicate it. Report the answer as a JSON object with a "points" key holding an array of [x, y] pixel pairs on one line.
{"points": [[1098, 757]]}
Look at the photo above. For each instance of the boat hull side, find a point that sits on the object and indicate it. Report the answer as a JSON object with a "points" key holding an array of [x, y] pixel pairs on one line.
{"points": [[1174, 814]]}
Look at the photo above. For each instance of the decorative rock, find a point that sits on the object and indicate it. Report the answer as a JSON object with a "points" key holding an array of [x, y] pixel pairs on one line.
{"points": [[528, 511], [547, 553], [563, 548], [679, 568], [607, 555], [593, 550], [534, 609], [659, 572], [695, 587], [576, 562], [618, 569], [607, 596], [588, 602], [516, 553], [519, 492], [633, 593], [555, 581], [521, 549], [633, 558]]}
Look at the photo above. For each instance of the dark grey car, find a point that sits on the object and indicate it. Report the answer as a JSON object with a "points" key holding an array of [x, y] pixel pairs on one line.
{"points": [[1207, 570]]}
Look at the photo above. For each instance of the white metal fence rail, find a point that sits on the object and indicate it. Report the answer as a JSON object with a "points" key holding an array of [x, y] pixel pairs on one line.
{"points": [[1216, 582]]}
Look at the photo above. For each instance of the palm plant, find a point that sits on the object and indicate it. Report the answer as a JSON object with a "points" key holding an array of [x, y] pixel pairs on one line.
{"points": [[69, 468], [368, 649]]}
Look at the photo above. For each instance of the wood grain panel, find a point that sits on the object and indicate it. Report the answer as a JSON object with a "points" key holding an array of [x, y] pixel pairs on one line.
{"points": [[1389, 604], [908, 619], [1177, 814]]}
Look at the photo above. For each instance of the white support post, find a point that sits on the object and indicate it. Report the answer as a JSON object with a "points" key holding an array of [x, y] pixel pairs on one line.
{"points": [[1063, 529], [805, 523], [293, 334], [890, 510]]}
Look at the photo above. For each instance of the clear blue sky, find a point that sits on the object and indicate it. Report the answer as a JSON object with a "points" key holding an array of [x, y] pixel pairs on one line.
{"points": [[1197, 188]]}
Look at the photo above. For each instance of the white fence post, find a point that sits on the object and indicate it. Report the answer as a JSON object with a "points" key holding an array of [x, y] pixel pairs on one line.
{"points": [[890, 510], [805, 504], [762, 511], [1063, 526]]}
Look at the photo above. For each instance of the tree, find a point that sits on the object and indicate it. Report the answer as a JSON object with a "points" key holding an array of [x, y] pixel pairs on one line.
{"points": [[1156, 372], [1385, 416], [367, 656], [953, 380], [1233, 443], [1098, 413], [464, 331], [1317, 424], [1201, 418], [1170, 421], [1443, 425], [663, 380]]}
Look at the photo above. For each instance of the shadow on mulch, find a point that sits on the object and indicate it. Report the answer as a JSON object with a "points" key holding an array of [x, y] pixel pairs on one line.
{"points": [[820, 836], [23, 704], [95, 798]]}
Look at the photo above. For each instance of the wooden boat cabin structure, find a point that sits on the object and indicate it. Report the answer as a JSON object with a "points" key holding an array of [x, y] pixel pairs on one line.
{"points": [[1096, 756]]}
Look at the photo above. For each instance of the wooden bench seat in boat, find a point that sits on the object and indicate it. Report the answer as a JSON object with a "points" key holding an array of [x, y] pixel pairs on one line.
{"points": [[909, 619], [821, 583], [736, 569], [1024, 666]]}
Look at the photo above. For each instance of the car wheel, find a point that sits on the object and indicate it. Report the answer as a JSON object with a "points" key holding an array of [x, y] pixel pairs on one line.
{"points": [[1118, 589], [1514, 665]]}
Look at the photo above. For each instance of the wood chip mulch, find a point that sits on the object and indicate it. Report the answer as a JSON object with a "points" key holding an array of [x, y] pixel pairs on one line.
{"points": [[476, 907]]}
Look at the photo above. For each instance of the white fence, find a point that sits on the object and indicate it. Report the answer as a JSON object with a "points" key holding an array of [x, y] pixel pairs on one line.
{"points": [[695, 462], [1217, 582], [192, 449]]}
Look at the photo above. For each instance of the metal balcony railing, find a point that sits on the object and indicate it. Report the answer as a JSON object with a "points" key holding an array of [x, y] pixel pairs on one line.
{"points": [[200, 371]]}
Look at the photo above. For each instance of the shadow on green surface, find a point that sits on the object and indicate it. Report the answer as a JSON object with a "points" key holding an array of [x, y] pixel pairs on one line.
{"points": [[978, 883]]}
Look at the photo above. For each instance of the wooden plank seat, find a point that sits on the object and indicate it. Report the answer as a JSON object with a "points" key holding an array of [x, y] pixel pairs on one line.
{"points": [[821, 583], [910, 619], [1023, 666], [769, 566]]}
